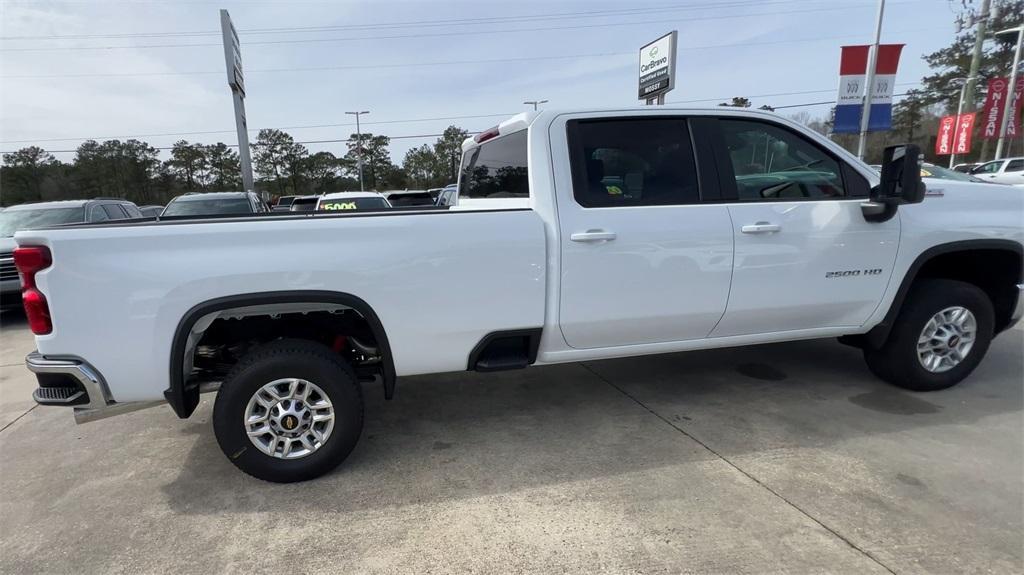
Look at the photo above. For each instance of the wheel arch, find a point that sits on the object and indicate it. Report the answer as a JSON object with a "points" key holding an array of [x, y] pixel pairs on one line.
{"points": [[923, 267], [183, 400]]}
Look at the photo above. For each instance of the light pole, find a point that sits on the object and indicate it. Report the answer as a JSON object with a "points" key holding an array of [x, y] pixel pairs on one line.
{"points": [[1008, 106], [959, 112], [535, 103], [359, 146], [869, 92]]}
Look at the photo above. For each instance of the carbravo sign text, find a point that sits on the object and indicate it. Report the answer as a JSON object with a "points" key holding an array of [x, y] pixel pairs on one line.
{"points": [[657, 67]]}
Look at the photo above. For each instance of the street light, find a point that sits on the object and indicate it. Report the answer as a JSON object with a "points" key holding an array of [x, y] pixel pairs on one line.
{"points": [[1008, 106], [359, 146], [960, 111], [535, 103]]}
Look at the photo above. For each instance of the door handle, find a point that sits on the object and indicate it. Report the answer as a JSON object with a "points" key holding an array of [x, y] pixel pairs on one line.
{"points": [[761, 228], [592, 236]]}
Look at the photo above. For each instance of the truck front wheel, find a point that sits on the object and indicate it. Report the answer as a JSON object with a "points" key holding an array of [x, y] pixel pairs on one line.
{"points": [[940, 335], [290, 410]]}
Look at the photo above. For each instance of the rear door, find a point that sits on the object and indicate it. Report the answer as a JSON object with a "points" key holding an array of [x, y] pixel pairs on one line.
{"points": [[805, 256], [642, 260]]}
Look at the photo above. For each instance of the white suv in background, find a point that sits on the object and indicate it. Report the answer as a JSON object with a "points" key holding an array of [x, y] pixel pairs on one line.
{"points": [[1005, 171]]}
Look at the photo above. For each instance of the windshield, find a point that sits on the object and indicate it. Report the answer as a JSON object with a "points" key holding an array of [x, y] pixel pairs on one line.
{"points": [[16, 220], [933, 171], [343, 204], [192, 207]]}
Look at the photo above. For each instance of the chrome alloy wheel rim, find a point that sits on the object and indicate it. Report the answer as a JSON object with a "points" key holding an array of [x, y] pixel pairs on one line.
{"points": [[946, 339], [289, 418]]}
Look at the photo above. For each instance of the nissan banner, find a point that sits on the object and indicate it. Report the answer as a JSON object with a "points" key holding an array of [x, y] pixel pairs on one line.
{"points": [[964, 129], [992, 113], [944, 139]]}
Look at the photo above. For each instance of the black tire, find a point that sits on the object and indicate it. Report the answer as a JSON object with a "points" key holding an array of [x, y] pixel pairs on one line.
{"points": [[897, 361], [288, 358]]}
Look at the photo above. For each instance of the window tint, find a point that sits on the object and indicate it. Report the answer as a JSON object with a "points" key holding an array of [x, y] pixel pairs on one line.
{"points": [[114, 211], [771, 163], [1015, 166], [132, 210], [632, 162], [98, 214], [190, 206], [497, 169]]}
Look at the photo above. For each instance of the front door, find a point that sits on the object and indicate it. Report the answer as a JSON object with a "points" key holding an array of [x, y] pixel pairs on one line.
{"points": [[805, 256], [641, 260]]}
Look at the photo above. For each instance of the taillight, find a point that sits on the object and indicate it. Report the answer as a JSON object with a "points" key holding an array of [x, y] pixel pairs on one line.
{"points": [[486, 135], [29, 261]]}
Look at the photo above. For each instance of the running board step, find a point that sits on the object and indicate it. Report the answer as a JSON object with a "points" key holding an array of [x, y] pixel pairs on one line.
{"points": [[59, 396]]}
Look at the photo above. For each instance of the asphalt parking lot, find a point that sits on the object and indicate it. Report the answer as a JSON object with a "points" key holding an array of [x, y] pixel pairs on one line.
{"points": [[779, 458]]}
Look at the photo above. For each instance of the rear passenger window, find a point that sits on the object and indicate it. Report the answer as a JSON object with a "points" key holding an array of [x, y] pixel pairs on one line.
{"points": [[114, 211], [1015, 166], [98, 214], [632, 162], [772, 163], [497, 169]]}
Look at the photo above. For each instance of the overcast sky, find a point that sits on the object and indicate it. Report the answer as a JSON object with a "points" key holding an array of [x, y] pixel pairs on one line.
{"points": [[413, 60]]}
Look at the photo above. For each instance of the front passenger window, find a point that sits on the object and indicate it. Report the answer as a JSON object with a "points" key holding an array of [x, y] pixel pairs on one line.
{"points": [[771, 163]]}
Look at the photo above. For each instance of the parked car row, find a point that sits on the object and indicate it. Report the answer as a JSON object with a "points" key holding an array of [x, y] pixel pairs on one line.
{"points": [[1004, 171]]}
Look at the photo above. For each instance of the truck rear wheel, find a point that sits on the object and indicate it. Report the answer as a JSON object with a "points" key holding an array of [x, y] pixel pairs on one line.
{"points": [[940, 335], [290, 410]]}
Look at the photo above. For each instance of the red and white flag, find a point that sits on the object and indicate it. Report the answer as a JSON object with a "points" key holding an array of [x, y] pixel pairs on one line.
{"points": [[992, 113], [944, 140], [964, 129]]}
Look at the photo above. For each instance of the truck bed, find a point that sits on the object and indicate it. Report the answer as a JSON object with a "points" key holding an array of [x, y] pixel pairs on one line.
{"points": [[439, 281]]}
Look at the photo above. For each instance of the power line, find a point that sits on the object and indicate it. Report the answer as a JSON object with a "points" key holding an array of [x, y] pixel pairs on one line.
{"points": [[436, 34], [444, 63], [403, 137], [307, 126], [408, 24], [429, 119]]}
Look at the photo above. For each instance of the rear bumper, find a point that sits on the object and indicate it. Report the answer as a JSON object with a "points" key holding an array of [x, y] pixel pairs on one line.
{"points": [[67, 381], [72, 382]]}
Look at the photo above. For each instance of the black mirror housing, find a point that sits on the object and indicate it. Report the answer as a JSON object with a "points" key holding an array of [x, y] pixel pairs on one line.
{"points": [[901, 176]]}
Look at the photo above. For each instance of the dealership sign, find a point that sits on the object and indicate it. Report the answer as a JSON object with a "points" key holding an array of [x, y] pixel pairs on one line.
{"points": [[232, 53], [658, 67]]}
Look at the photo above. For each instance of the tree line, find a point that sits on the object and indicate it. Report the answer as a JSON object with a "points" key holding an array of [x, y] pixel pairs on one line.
{"points": [[132, 169]]}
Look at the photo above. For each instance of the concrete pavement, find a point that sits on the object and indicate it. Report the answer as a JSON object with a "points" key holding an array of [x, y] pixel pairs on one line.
{"points": [[780, 458]]}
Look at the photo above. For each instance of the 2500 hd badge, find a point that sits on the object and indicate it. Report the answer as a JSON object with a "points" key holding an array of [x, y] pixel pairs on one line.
{"points": [[853, 273]]}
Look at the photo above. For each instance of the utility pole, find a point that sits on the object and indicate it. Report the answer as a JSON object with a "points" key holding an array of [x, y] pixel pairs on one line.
{"points": [[359, 146], [535, 103], [869, 92], [1008, 106], [979, 41]]}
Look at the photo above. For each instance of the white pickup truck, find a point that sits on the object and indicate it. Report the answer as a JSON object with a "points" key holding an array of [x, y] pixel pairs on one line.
{"points": [[578, 235]]}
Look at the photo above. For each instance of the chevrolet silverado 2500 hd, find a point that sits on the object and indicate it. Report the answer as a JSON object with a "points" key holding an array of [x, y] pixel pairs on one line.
{"points": [[576, 235]]}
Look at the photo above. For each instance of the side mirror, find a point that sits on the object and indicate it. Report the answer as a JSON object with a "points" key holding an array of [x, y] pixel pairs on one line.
{"points": [[901, 176]]}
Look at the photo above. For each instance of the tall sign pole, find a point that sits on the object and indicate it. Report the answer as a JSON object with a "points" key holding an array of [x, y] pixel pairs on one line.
{"points": [[233, 62], [865, 114], [658, 69], [1011, 107], [359, 146]]}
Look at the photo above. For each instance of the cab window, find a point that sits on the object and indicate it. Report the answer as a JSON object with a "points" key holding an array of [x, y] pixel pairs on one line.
{"points": [[771, 163], [632, 162], [497, 169]]}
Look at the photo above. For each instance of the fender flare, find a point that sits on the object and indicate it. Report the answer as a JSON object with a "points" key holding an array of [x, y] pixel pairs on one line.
{"points": [[183, 400], [877, 336]]}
